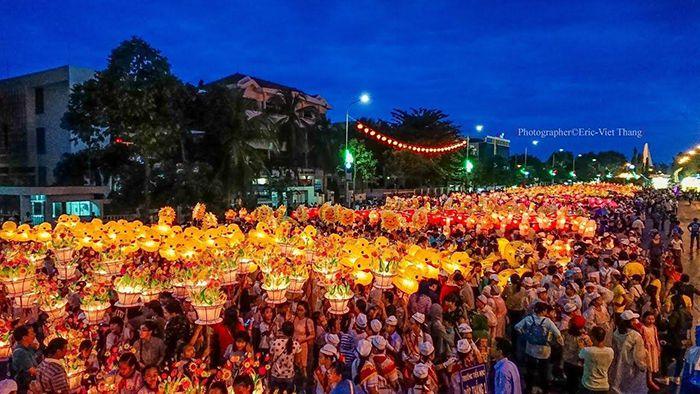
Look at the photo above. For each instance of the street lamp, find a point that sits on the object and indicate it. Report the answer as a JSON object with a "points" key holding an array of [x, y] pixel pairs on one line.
{"points": [[363, 99], [479, 128], [574, 162], [526, 172]]}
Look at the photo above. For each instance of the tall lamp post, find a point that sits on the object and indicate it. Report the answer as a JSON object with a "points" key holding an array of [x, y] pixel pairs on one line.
{"points": [[573, 164], [527, 173], [363, 99]]}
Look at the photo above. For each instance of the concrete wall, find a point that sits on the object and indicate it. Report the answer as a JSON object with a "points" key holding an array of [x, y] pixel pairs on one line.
{"points": [[57, 84]]}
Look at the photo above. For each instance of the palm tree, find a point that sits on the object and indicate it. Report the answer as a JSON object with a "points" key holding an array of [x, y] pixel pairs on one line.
{"points": [[239, 139], [294, 126]]}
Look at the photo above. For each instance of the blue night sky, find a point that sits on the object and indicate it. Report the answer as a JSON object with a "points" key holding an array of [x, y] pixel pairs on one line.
{"points": [[504, 64]]}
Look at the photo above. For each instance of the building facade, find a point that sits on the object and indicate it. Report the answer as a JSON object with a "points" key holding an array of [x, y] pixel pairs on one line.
{"points": [[269, 95], [32, 141], [489, 147], [283, 185]]}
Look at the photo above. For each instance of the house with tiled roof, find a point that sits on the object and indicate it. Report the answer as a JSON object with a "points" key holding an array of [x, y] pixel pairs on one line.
{"points": [[269, 95]]}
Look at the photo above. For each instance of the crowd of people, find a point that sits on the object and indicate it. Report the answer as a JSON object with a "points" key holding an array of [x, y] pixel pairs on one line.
{"points": [[614, 318]]}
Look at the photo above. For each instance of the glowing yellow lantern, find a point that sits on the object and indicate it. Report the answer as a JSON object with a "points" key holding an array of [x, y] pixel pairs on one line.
{"points": [[362, 277], [406, 284]]}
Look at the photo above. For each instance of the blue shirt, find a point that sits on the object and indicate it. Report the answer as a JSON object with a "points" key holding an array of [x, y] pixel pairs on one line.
{"points": [[345, 386], [506, 377]]}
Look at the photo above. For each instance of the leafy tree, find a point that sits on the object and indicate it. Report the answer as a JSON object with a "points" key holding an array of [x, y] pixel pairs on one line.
{"points": [[236, 140], [136, 99], [365, 164]]}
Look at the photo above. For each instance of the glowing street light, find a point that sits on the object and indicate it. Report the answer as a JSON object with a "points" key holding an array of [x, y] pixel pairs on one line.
{"points": [[363, 99], [479, 128], [535, 142]]}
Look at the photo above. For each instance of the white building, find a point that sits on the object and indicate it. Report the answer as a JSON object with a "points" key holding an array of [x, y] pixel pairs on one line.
{"points": [[31, 138]]}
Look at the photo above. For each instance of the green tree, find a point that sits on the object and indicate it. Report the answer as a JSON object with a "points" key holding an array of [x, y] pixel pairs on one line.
{"points": [[237, 140], [135, 99], [364, 162]]}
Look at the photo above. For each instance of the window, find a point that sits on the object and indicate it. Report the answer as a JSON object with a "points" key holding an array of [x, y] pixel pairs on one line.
{"points": [[82, 208], [56, 209], [37, 205], [39, 100], [41, 141]]}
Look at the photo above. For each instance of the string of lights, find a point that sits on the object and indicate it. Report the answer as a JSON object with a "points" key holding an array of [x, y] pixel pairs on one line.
{"points": [[689, 155], [400, 145]]}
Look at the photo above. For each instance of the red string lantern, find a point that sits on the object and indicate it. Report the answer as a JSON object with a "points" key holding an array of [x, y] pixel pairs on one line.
{"points": [[400, 145]]}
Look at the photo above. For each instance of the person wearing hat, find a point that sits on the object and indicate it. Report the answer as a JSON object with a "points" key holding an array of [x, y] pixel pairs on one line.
{"points": [[483, 320], [542, 296], [555, 290], [385, 364], [575, 339], [464, 331], [464, 357], [427, 355], [628, 371], [393, 338], [413, 339], [498, 305], [419, 376], [567, 312], [597, 315], [571, 295], [364, 372], [376, 326], [8, 386], [326, 357]]}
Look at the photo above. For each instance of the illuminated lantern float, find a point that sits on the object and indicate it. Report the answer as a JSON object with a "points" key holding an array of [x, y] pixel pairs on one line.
{"points": [[128, 291], [275, 285], [339, 295], [208, 303]]}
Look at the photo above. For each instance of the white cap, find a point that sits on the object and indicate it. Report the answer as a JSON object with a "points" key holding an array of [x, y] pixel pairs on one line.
{"points": [[463, 346], [379, 342], [332, 339], [570, 307], [391, 321], [421, 371], [589, 284], [329, 350], [426, 348], [419, 317], [629, 315], [7, 386], [364, 347], [494, 277], [464, 328], [527, 281], [594, 295], [375, 325], [574, 286], [361, 320], [482, 298], [541, 290]]}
